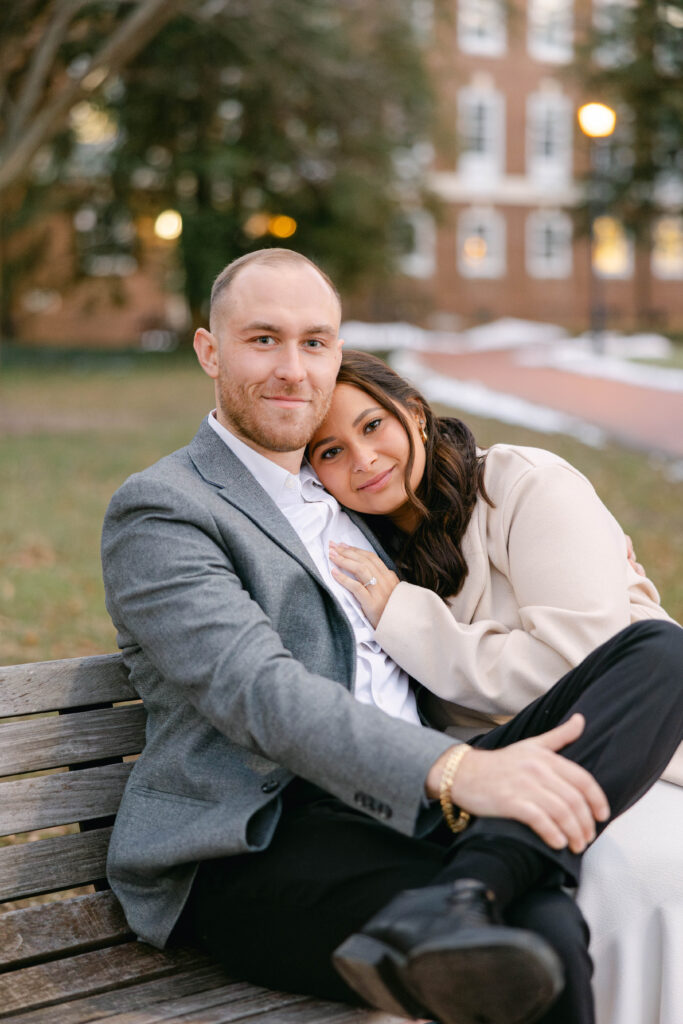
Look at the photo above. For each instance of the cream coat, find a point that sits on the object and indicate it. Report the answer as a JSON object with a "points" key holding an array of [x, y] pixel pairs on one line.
{"points": [[548, 582]]}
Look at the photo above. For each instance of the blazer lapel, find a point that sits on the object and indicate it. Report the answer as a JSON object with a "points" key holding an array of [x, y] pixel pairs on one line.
{"points": [[219, 466]]}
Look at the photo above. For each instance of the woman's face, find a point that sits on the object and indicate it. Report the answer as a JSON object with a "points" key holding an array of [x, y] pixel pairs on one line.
{"points": [[360, 453]]}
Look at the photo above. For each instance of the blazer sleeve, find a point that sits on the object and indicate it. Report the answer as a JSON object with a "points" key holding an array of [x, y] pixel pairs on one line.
{"points": [[172, 590], [564, 556]]}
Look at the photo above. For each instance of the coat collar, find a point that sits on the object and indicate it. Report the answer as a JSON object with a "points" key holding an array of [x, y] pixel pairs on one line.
{"points": [[221, 468]]}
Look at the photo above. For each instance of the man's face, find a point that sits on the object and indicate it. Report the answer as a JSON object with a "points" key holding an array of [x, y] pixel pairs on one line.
{"points": [[276, 356]]}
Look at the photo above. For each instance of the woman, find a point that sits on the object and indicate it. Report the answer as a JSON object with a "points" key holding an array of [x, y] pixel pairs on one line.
{"points": [[513, 572]]}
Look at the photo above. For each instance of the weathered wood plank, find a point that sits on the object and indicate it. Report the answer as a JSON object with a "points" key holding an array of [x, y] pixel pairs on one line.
{"points": [[67, 927], [97, 971], [68, 683], [227, 1001], [147, 994], [70, 739], [48, 800], [60, 862]]}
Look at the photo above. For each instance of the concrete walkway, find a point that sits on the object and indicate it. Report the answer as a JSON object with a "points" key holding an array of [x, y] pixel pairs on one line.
{"points": [[645, 418]]}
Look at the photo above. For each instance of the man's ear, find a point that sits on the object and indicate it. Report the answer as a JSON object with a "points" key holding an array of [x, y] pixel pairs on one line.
{"points": [[206, 347]]}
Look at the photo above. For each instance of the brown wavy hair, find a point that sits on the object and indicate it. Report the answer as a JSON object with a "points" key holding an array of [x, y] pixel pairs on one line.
{"points": [[431, 555]]}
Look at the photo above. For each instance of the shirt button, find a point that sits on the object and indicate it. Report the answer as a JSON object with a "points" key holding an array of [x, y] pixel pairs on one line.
{"points": [[269, 786], [290, 483]]}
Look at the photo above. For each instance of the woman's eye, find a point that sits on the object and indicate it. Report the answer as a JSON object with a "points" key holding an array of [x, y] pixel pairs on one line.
{"points": [[372, 425], [330, 453]]}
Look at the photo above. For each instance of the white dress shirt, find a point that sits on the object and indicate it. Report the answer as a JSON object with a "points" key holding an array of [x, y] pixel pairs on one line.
{"points": [[318, 518]]}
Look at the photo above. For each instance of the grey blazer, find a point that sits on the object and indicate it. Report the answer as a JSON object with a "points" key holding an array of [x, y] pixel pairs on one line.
{"points": [[246, 665]]}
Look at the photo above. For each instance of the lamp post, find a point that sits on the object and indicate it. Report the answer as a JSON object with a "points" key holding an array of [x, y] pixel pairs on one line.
{"points": [[597, 121]]}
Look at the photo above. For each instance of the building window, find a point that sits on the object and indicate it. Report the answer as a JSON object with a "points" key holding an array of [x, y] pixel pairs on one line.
{"points": [[550, 30], [549, 138], [548, 244], [481, 27], [667, 249], [481, 243], [481, 132], [612, 248], [416, 236]]}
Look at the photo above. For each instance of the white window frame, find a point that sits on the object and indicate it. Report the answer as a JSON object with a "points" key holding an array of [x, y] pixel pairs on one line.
{"points": [[421, 261], [488, 224], [550, 30], [549, 138], [662, 269], [487, 163], [482, 27], [542, 225]]}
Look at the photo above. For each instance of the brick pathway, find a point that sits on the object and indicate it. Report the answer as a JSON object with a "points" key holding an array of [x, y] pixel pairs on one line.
{"points": [[639, 417]]}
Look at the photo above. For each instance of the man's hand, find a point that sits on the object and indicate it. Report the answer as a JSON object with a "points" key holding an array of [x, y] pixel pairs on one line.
{"points": [[530, 782]]}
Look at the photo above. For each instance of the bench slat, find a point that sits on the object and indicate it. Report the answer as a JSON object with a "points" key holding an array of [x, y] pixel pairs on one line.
{"points": [[148, 994], [97, 971], [221, 1003], [41, 743], [60, 862], [61, 799], [66, 927], [68, 683]]}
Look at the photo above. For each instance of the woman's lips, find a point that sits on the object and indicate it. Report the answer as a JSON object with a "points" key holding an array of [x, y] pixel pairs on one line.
{"points": [[377, 482]]}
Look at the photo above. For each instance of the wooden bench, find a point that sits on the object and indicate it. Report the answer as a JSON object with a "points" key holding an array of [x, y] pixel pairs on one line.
{"points": [[68, 733]]}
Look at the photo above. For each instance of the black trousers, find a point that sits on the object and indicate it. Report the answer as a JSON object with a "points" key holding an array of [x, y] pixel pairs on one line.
{"points": [[275, 917]]}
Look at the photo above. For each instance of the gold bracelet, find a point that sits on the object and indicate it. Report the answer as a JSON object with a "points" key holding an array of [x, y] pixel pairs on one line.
{"points": [[449, 770]]}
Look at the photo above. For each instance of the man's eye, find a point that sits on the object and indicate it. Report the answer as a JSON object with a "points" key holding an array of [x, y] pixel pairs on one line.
{"points": [[264, 339], [330, 453], [314, 343]]}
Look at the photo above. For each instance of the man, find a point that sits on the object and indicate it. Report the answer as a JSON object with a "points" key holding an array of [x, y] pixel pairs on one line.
{"points": [[288, 800]]}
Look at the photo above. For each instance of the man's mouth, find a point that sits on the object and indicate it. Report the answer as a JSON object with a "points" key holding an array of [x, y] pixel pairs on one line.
{"points": [[377, 482], [287, 401]]}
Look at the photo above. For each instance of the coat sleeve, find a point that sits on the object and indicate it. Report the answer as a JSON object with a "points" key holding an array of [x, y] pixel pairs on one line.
{"points": [[564, 556], [173, 592]]}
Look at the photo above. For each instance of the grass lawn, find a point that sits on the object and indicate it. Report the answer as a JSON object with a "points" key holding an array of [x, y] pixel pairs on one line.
{"points": [[68, 438]]}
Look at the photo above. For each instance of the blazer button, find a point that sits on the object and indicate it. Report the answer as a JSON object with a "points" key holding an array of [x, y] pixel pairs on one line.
{"points": [[269, 786]]}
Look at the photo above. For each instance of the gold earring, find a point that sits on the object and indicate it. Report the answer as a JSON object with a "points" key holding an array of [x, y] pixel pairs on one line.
{"points": [[423, 432]]}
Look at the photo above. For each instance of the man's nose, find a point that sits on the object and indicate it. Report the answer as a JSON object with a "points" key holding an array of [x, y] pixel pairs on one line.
{"points": [[290, 365]]}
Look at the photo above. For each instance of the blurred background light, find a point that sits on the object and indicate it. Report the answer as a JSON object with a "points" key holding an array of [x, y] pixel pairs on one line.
{"points": [[596, 120], [168, 225], [282, 226]]}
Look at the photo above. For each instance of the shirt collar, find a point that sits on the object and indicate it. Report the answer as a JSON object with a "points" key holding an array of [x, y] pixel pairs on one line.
{"points": [[277, 482]]}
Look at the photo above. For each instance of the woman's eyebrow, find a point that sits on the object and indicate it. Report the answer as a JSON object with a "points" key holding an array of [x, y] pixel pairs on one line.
{"points": [[323, 440]]}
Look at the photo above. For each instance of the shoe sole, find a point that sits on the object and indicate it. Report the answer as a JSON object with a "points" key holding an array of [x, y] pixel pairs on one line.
{"points": [[372, 969], [486, 982]]}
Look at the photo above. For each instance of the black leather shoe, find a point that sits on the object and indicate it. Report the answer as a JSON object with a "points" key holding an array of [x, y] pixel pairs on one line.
{"points": [[443, 952]]}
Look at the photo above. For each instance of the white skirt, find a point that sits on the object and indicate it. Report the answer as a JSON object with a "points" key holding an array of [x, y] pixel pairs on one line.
{"points": [[631, 894]]}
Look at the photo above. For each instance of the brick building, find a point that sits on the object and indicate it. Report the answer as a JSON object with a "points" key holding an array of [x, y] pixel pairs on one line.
{"points": [[507, 242]]}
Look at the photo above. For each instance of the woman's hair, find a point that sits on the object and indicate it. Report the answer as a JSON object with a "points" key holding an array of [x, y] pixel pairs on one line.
{"points": [[431, 555]]}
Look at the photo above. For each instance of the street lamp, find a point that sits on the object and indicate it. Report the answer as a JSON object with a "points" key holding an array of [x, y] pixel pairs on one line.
{"points": [[597, 121]]}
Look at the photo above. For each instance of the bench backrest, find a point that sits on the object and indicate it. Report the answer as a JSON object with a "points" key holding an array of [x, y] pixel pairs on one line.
{"points": [[65, 729]]}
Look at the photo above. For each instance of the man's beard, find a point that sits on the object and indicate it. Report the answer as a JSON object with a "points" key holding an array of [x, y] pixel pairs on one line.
{"points": [[252, 421]]}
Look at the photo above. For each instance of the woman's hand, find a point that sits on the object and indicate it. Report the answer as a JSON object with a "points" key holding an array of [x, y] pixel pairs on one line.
{"points": [[359, 567], [631, 555], [532, 783]]}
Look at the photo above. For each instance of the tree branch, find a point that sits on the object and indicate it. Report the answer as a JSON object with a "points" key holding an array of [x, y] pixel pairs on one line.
{"points": [[131, 36], [40, 65]]}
